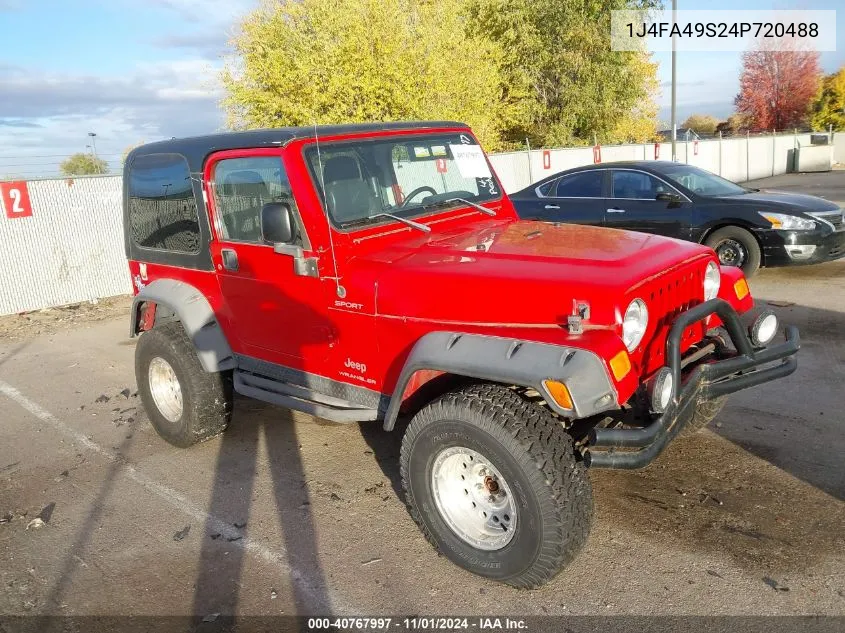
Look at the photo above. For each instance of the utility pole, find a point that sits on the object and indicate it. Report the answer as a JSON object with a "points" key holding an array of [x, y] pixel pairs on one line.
{"points": [[93, 136], [674, 81]]}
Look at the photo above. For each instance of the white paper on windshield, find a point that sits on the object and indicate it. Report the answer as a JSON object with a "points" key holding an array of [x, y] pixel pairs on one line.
{"points": [[471, 161]]}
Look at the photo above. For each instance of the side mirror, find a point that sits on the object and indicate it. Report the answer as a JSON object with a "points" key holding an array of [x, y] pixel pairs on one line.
{"points": [[277, 223], [668, 197]]}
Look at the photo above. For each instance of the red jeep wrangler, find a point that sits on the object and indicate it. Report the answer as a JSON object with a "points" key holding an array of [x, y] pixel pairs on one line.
{"points": [[366, 272]]}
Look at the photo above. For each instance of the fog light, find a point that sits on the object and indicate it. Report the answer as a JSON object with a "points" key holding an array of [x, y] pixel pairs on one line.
{"points": [[764, 329], [801, 251], [661, 389]]}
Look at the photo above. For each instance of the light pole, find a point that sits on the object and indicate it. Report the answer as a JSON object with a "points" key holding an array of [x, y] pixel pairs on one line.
{"points": [[674, 80], [93, 136]]}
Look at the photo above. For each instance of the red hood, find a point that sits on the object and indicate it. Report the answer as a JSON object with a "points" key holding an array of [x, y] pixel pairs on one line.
{"points": [[516, 272]]}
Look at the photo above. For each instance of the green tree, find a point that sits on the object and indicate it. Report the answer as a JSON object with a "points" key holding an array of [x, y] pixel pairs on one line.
{"points": [[701, 124], [83, 165], [321, 61], [562, 80], [829, 107]]}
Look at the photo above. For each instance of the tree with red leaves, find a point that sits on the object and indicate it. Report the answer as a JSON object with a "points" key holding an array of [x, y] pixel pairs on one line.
{"points": [[777, 87]]}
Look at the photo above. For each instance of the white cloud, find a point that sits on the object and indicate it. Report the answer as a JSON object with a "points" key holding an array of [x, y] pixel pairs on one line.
{"points": [[49, 115]]}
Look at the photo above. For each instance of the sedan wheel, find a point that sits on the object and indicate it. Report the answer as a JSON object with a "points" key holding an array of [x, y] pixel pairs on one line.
{"points": [[735, 246], [731, 253]]}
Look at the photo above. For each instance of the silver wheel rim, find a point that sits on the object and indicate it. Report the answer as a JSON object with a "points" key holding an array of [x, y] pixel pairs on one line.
{"points": [[165, 389], [473, 498]]}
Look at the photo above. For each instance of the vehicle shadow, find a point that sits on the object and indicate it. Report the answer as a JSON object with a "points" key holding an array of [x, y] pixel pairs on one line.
{"points": [[253, 423], [707, 495], [97, 510], [796, 423], [221, 564], [386, 446]]}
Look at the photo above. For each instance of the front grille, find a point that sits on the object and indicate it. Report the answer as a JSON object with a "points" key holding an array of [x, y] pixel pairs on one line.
{"points": [[675, 293], [832, 217], [666, 297]]}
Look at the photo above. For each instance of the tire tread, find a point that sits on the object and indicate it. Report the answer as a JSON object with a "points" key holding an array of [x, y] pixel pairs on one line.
{"points": [[532, 433]]}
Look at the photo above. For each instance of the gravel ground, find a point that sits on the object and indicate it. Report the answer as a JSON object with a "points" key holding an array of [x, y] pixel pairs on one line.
{"points": [[287, 514]]}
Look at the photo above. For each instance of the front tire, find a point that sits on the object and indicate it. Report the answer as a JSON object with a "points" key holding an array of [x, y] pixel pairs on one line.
{"points": [[493, 482], [737, 247], [704, 414], [185, 404]]}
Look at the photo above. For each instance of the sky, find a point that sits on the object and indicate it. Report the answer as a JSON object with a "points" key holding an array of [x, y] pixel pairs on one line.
{"points": [[708, 82], [136, 71]]}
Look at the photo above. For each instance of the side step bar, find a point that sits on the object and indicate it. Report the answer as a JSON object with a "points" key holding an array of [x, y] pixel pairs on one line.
{"points": [[302, 399]]}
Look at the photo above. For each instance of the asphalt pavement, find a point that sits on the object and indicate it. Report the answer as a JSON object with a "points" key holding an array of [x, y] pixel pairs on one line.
{"points": [[287, 514]]}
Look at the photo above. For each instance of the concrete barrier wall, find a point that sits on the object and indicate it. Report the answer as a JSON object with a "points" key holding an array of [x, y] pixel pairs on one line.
{"points": [[839, 147], [71, 248], [814, 158]]}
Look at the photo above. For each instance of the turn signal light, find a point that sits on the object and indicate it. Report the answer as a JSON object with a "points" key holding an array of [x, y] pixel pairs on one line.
{"points": [[620, 365], [741, 289], [559, 393]]}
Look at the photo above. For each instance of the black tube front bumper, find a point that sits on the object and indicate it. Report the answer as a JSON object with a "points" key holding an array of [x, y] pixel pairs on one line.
{"points": [[705, 381]]}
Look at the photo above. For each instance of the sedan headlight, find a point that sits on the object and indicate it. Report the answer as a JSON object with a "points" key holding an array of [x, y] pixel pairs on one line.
{"points": [[634, 324], [784, 222], [712, 281]]}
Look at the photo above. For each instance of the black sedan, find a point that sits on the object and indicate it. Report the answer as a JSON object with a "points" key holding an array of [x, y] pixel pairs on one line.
{"points": [[746, 227]]}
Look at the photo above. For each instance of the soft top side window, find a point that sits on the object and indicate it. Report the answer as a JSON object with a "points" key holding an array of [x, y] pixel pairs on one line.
{"points": [[163, 212], [242, 186]]}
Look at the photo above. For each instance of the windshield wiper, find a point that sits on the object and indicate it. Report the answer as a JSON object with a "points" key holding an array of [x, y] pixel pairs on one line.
{"points": [[411, 223], [439, 203]]}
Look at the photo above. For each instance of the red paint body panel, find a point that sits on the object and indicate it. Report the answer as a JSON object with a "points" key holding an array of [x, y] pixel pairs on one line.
{"points": [[472, 273]]}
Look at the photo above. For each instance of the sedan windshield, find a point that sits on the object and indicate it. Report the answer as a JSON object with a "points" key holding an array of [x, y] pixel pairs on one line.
{"points": [[404, 176], [702, 182]]}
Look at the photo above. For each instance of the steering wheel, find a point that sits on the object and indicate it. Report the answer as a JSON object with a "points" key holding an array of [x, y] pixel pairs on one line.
{"points": [[416, 192]]}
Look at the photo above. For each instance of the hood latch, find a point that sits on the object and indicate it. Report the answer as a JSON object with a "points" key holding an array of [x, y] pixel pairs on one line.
{"points": [[580, 313]]}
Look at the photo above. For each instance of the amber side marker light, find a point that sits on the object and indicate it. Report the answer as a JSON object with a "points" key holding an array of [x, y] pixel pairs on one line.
{"points": [[741, 289], [559, 393], [620, 365]]}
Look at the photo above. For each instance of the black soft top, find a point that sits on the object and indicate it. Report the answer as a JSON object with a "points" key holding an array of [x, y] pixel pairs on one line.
{"points": [[197, 148]]}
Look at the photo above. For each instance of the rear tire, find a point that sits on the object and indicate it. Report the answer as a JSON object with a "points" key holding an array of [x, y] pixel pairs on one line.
{"points": [[705, 412], [185, 404], [736, 246], [518, 464]]}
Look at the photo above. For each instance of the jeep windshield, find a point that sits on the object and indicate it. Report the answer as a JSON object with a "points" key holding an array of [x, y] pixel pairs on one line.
{"points": [[361, 181]]}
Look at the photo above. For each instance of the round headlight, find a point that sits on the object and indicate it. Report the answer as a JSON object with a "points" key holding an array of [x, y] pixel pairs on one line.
{"points": [[712, 281], [764, 329], [634, 324]]}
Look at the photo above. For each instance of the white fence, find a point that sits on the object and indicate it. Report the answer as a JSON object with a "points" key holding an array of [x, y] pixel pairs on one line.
{"points": [[737, 159], [71, 248]]}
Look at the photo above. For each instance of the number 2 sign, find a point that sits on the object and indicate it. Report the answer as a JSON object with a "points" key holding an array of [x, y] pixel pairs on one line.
{"points": [[16, 199]]}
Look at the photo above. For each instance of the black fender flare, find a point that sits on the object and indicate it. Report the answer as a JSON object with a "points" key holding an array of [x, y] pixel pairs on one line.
{"points": [[512, 362], [197, 317]]}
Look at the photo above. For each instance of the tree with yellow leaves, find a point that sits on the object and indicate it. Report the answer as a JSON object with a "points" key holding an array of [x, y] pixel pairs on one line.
{"points": [[829, 107], [320, 61]]}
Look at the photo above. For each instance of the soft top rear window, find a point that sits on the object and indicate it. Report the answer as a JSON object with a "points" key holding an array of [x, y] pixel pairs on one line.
{"points": [[163, 212]]}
